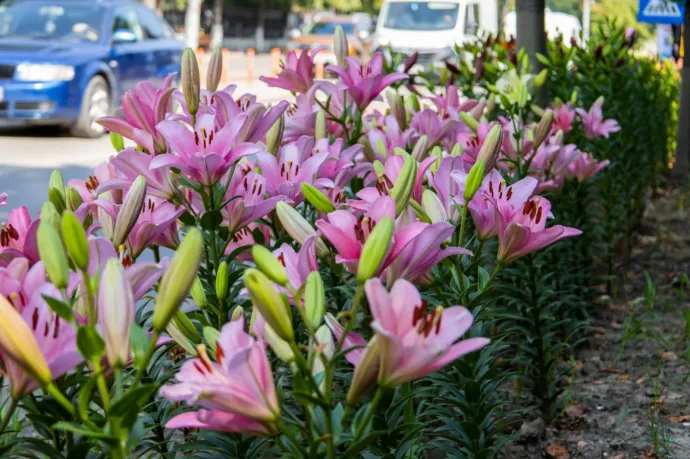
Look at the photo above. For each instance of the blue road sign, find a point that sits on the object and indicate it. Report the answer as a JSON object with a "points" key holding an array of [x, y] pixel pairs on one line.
{"points": [[661, 11]]}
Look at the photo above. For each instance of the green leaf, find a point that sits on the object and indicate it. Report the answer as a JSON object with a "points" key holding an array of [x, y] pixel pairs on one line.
{"points": [[357, 447], [543, 59], [63, 310], [82, 430], [189, 184], [482, 279], [85, 396], [188, 219], [211, 220], [133, 400], [90, 343], [140, 345]]}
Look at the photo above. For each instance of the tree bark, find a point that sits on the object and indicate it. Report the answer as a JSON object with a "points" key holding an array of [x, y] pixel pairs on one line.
{"points": [[681, 168], [217, 29], [260, 16], [531, 34], [192, 22]]}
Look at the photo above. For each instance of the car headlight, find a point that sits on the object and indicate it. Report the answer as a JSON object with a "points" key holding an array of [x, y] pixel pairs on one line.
{"points": [[44, 72]]}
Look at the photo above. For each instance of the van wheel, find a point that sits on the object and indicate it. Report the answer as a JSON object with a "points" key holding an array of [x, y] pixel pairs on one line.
{"points": [[94, 105]]}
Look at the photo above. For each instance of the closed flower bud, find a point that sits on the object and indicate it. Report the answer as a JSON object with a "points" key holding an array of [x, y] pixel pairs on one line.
{"points": [[50, 215], [381, 147], [280, 347], [573, 96], [420, 148], [269, 265], [75, 240], [419, 211], [433, 207], [537, 110], [56, 181], [178, 278], [491, 148], [540, 79], [557, 138], [543, 128], [297, 227], [18, 343], [375, 249], [222, 281], [180, 338], [52, 254], [456, 150], [474, 180], [469, 120], [274, 137], [116, 312], [320, 129], [130, 211], [215, 70], [412, 103], [436, 152], [340, 46], [316, 198], [269, 303], [314, 299], [186, 326], [57, 198], [117, 141], [189, 81], [238, 314], [74, 199], [404, 185], [198, 293], [379, 168], [366, 372], [211, 336], [397, 106], [523, 95], [478, 110]]}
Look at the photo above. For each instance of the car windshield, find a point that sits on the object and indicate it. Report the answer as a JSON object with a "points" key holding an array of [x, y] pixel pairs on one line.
{"points": [[328, 28], [421, 15], [51, 20]]}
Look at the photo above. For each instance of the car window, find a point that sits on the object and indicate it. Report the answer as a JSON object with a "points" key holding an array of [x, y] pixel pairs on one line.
{"points": [[421, 15], [126, 19], [51, 20], [328, 28], [151, 24]]}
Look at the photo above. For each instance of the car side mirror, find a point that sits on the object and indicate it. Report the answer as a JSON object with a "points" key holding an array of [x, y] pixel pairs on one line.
{"points": [[294, 34], [121, 36]]}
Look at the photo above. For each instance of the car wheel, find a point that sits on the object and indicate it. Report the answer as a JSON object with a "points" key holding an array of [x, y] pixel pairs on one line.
{"points": [[94, 105]]}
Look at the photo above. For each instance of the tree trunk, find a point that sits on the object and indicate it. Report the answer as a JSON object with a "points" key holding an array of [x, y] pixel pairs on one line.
{"points": [[531, 34], [260, 15], [217, 29], [679, 175], [153, 4], [192, 22]]}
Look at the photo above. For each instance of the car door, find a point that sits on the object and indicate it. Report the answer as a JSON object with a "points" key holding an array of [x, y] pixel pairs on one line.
{"points": [[132, 59], [161, 40]]}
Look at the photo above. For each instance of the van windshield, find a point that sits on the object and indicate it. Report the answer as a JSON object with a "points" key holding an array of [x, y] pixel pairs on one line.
{"points": [[421, 15]]}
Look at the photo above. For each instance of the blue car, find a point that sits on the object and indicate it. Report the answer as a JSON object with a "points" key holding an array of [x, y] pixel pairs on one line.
{"points": [[67, 62]]}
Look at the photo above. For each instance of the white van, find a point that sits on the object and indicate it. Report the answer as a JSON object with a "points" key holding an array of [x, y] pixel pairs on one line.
{"points": [[432, 27]]}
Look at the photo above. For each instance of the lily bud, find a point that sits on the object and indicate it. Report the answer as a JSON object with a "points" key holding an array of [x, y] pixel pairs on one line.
{"points": [[469, 120], [117, 141], [397, 106], [56, 181], [180, 338], [537, 110], [215, 70], [491, 148], [366, 372], [543, 128], [116, 312], [75, 240], [474, 180], [50, 215], [381, 147], [456, 150], [412, 103], [198, 293], [53, 255], [420, 148], [314, 299], [316, 198], [57, 198], [130, 211], [340, 46], [280, 346], [433, 207], [367, 150], [297, 227], [523, 96], [557, 138], [189, 81], [18, 343], [211, 336], [438, 153], [269, 303], [222, 281], [269, 265], [74, 199], [324, 340], [379, 168], [274, 137], [375, 249], [540, 79], [186, 326], [478, 109], [238, 314], [404, 185], [419, 211], [178, 278], [573, 96], [320, 130]]}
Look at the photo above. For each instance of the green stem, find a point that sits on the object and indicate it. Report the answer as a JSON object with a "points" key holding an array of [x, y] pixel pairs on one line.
{"points": [[353, 315], [8, 416], [285, 431], [118, 383], [156, 253], [147, 358], [89, 299], [461, 238], [495, 272], [100, 382], [370, 413], [304, 368], [61, 399]]}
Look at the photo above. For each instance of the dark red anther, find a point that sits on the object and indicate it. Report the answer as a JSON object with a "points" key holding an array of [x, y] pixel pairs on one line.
{"points": [[196, 137], [220, 353], [34, 319], [510, 193], [281, 258], [199, 368], [56, 330], [539, 215]]}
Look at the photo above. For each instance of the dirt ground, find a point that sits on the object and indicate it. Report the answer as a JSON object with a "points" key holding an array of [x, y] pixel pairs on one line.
{"points": [[629, 396]]}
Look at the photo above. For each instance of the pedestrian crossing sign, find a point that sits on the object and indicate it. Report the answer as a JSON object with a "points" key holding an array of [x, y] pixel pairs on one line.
{"points": [[661, 11]]}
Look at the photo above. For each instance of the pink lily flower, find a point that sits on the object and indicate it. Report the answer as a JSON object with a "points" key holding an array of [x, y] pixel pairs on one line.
{"points": [[143, 108], [472, 141], [563, 117], [259, 117], [244, 237], [365, 82], [524, 231], [432, 124], [494, 187], [449, 183], [3, 198], [353, 344], [239, 382], [301, 116], [413, 343], [296, 163], [297, 74], [88, 189], [298, 264], [204, 154], [19, 281], [156, 220], [594, 123], [386, 137], [56, 338], [585, 167], [340, 165], [130, 163], [449, 105], [222, 421], [18, 236], [248, 203]]}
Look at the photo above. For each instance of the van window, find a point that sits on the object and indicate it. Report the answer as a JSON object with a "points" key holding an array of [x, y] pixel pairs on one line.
{"points": [[421, 16], [471, 19]]}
